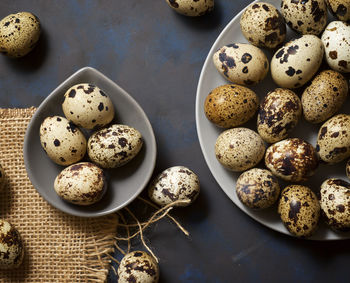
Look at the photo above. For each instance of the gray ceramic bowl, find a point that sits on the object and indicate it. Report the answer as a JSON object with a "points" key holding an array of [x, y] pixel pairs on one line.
{"points": [[124, 183]]}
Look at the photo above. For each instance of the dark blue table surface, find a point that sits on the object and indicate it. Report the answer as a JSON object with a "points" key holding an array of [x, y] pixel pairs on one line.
{"points": [[157, 55]]}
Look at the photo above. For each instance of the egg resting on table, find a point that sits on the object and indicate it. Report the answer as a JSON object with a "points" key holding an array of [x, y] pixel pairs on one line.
{"points": [[191, 8]]}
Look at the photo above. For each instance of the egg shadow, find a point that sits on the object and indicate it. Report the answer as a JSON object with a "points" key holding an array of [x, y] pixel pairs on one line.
{"points": [[34, 59], [6, 194]]}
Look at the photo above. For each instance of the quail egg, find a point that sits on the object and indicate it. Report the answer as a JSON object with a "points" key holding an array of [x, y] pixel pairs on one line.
{"points": [[333, 140], [191, 8], [324, 97], [335, 203], [297, 61], [63, 142], [230, 105], [175, 183], [87, 106], [114, 146], [257, 188], [19, 34], [340, 8], [292, 159], [278, 114], [239, 149], [138, 267], [299, 210], [11, 246], [81, 183], [241, 63]]}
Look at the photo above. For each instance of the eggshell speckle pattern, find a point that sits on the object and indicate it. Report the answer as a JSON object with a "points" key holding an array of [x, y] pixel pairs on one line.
{"points": [[336, 39], [82, 183], [297, 61], [239, 149], [191, 8], [306, 17], [63, 142], [114, 146], [19, 34], [138, 267], [292, 159], [241, 63], [299, 210], [175, 183], [263, 25], [340, 8], [333, 140], [324, 97], [335, 203], [87, 106], [230, 105], [278, 114], [11, 246], [257, 188]]}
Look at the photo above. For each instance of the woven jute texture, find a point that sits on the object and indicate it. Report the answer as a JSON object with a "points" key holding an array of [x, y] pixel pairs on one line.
{"points": [[58, 247]]}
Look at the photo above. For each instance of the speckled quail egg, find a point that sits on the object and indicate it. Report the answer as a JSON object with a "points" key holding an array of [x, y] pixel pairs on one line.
{"points": [[11, 246], [138, 267], [19, 34], [335, 203], [299, 210], [263, 25], [257, 188], [278, 114], [340, 9], [81, 183], [114, 146], [306, 17], [191, 8], [241, 63], [230, 105], [324, 97], [297, 61], [333, 140], [2, 178], [63, 142], [174, 183], [87, 106], [336, 39], [239, 149], [292, 159]]}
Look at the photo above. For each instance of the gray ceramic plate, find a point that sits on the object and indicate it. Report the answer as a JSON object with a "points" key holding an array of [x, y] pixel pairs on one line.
{"points": [[208, 133], [124, 183]]}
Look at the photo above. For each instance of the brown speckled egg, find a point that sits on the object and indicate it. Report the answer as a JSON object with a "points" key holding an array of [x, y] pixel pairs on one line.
{"points": [[336, 39], [297, 61], [114, 146], [299, 210], [239, 149], [230, 105], [257, 188], [81, 183], [138, 267], [335, 203], [333, 140], [263, 25], [11, 246], [174, 183], [305, 17], [19, 34], [292, 159], [87, 106], [63, 142], [278, 114], [191, 8], [340, 9], [324, 97], [241, 63]]}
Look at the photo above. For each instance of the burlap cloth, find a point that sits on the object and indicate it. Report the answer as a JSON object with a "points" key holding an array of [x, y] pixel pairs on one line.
{"points": [[58, 247]]}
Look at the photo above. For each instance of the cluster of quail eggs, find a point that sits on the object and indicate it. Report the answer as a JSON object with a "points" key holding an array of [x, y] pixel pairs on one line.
{"points": [[86, 106], [305, 93]]}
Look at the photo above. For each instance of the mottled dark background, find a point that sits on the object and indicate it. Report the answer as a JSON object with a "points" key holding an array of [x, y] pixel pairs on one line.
{"points": [[157, 55]]}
